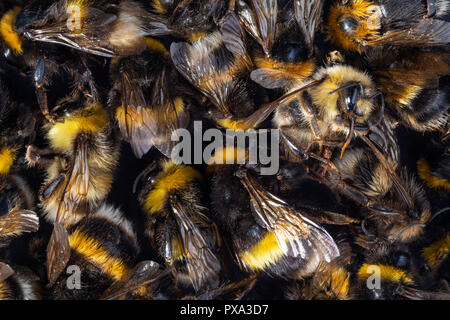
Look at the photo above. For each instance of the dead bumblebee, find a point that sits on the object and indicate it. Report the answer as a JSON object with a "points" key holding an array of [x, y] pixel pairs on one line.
{"points": [[422, 103], [331, 281], [357, 24], [96, 256], [147, 100], [217, 65], [80, 162], [394, 201], [18, 283], [47, 71], [179, 225], [264, 232], [100, 27]]}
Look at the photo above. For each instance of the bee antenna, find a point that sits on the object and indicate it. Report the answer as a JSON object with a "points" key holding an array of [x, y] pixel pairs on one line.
{"points": [[382, 104], [363, 227], [408, 227], [350, 85], [438, 213]]}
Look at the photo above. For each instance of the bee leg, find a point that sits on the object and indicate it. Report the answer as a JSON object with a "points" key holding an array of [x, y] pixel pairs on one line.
{"points": [[35, 156], [26, 193], [292, 147], [357, 196], [231, 6], [89, 79], [41, 94]]}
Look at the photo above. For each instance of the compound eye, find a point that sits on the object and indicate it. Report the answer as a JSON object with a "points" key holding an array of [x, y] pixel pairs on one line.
{"points": [[349, 25], [293, 53], [151, 179], [402, 260]]}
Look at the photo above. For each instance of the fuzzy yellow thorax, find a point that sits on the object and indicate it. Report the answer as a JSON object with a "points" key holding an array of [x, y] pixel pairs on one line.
{"points": [[173, 177], [91, 119]]}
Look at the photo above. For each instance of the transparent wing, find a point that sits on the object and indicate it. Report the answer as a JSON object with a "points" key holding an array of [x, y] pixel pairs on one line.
{"points": [[202, 264], [293, 231]]}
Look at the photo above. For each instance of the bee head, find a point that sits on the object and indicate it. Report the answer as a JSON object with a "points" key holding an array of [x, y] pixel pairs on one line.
{"points": [[351, 23]]}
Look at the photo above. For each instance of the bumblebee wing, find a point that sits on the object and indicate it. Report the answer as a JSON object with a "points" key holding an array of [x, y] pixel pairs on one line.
{"points": [[234, 39], [135, 118], [58, 252], [18, 221], [84, 36], [169, 115], [294, 233], [202, 264], [144, 125], [272, 78], [77, 183], [383, 136], [428, 32], [396, 79], [308, 14], [144, 273], [261, 21], [416, 294], [232, 291], [5, 271], [422, 69], [200, 66], [212, 64]]}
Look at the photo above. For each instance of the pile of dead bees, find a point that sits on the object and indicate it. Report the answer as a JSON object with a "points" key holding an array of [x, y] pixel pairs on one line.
{"points": [[93, 204]]}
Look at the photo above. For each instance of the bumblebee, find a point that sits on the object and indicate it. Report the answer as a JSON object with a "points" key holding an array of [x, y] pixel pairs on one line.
{"points": [[331, 281], [17, 127], [48, 70], [357, 24], [217, 65], [328, 109], [436, 254], [101, 250], [264, 232], [392, 199], [145, 101], [104, 28], [189, 19], [383, 272], [287, 39], [179, 224], [422, 103], [18, 283], [436, 246], [80, 162]]}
